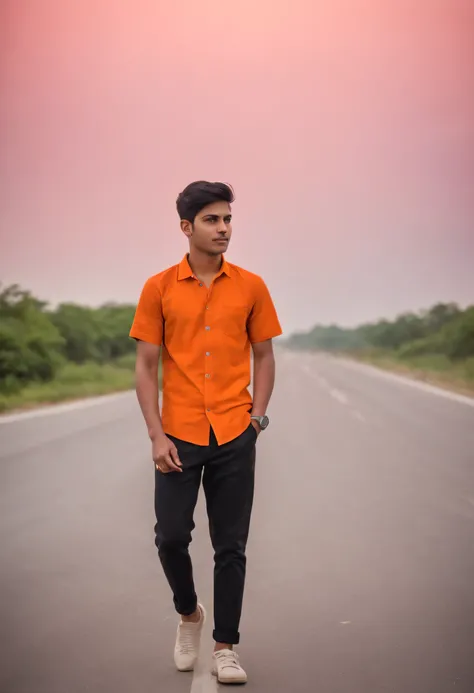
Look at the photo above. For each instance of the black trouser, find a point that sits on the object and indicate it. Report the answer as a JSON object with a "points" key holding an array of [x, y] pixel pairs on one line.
{"points": [[228, 482]]}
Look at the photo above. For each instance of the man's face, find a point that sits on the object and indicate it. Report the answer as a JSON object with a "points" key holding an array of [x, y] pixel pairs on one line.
{"points": [[211, 230]]}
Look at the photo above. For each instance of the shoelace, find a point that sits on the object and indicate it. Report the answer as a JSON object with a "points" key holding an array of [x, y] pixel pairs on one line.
{"points": [[186, 640], [228, 658]]}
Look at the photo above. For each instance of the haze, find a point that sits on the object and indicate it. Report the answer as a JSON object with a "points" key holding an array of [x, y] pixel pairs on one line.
{"points": [[346, 129]]}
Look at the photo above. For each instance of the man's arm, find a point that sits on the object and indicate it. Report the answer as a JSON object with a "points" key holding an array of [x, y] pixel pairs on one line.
{"points": [[147, 330], [164, 451], [263, 376], [263, 325], [146, 380]]}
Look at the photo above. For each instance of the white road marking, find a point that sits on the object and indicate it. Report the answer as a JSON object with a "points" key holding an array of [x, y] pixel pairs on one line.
{"points": [[381, 373], [338, 395], [403, 380], [322, 381], [316, 376], [63, 408], [357, 415], [203, 680]]}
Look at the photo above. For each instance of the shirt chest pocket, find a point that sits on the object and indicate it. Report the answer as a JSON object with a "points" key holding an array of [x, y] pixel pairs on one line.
{"points": [[233, 319]]}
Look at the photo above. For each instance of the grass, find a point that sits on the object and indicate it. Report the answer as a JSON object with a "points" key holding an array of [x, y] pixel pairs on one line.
{"points": [[74, 381], [435, 369]]}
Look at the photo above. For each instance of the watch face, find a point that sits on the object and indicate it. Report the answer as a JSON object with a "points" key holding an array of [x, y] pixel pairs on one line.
{"points": [[264, 421]]}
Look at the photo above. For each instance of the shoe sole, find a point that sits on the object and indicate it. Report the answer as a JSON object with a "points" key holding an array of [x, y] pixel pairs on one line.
{"points": [[229, 682]]}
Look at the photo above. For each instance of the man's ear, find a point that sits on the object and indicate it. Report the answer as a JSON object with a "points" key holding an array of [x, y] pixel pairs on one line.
{"points": [[187, 228]]}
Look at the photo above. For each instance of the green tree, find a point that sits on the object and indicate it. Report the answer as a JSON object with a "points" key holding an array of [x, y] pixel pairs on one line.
{"points": [[29, 342], [458, 335], [114, 323], [444, 330], [439, 315], [79, 327]]}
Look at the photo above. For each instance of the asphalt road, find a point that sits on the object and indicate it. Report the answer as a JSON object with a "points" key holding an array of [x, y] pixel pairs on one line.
{"points": [[361, 558]]}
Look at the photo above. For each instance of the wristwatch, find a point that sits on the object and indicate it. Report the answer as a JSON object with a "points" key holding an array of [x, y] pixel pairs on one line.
{"points": [[263, 421]]}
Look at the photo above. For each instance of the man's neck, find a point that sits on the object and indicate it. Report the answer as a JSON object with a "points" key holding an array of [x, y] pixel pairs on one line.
{"points": [[204, 265]]}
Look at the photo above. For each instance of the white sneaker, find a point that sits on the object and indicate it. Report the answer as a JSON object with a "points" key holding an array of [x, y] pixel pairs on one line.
{"points": [[227, 668], [186, 650]]}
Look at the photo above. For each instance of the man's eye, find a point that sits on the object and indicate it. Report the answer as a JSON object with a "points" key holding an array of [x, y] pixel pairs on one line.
{"points": [[228, 220]]}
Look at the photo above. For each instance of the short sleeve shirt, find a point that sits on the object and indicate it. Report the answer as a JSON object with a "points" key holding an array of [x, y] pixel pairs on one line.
{"points": [[206, 334]]}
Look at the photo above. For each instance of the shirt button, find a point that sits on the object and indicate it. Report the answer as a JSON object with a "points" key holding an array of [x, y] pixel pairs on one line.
{"points": [[208, 353], [208, 410], [207, 327], [200, 283], [208, 375]]}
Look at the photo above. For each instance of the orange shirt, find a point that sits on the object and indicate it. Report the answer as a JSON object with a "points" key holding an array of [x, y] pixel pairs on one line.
{"points": [[206, 335]]}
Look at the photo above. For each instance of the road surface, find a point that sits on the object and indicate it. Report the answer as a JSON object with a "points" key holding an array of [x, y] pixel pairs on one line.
{"points": [[361, 558]]}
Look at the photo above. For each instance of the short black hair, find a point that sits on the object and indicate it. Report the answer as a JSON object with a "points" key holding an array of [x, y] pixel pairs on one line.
{"points": [[198, 195]]}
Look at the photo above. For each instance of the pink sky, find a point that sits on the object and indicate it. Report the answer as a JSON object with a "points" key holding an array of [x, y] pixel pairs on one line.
{"points": [[346, 129]]}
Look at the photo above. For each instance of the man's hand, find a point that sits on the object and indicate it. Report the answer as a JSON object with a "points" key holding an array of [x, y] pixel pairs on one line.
{"points": [[256, 425], [165, 455]]}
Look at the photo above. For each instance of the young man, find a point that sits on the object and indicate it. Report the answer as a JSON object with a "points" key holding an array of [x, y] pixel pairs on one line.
{"points": [[205, 315]]}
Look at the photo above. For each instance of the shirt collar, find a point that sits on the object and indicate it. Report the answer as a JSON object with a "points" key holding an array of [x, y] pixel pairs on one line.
{"points": [[185, 271]]}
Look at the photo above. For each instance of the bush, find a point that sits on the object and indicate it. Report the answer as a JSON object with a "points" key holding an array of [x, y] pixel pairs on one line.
{"points": [[72, 381], [437, 343], [29, 343], [430, 362], [126, 361], [73, 351], [444, 329]]}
